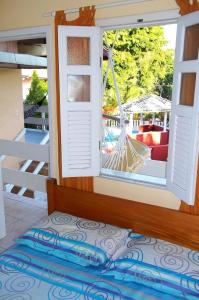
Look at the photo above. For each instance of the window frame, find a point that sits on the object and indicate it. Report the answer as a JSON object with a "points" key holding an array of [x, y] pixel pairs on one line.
{"points": [[136, 21]]}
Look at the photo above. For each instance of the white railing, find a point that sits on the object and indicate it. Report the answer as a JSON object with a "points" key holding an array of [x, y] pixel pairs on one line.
{"points": [[24, 150], [26, 165], [27, 152], [42, 120], [17, 177], [134, 124]]}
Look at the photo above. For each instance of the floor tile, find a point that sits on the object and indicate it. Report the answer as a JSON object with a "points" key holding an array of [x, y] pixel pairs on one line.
{"points": [[10, 219], [19, 210], [35, 216], [20, 217]]}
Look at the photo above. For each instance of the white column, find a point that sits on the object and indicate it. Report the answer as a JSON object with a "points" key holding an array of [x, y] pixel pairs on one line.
{"points": [[131, 128], [43, 115], [141, 118], [169, 119], [2, 210], [153, 118], [165, 121]]}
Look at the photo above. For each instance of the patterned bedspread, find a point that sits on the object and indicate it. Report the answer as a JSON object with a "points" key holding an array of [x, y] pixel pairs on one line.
{"points": [[146, 269], [27, 274]]}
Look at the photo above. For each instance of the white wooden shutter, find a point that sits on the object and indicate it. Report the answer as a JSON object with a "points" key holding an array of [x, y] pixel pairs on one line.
{"points": [[80, 115], [183, 144]]}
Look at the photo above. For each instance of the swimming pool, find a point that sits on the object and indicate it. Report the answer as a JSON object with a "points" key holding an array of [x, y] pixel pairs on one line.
{"points": [[33, 136]]}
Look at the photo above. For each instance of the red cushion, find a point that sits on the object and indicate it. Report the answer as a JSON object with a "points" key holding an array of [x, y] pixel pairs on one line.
{"points": [[149, 139], [164, 138], [157, 128], [145, 128], [150, 127], [159, 152], [153, 138]]}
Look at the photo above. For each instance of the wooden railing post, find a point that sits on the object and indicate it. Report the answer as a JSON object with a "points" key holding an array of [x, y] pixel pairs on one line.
{"points": [[2, 210]]}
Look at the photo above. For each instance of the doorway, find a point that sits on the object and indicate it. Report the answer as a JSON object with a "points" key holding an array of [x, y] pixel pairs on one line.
{"points": [[25, 49]]}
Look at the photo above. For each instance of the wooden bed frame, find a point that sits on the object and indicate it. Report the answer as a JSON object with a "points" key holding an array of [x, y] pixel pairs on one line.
{"points": [[171, 225]]}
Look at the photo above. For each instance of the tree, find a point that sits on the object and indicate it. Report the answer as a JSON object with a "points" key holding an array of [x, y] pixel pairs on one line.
{"points": [[165, 84], [37, 90], [142, 64]]}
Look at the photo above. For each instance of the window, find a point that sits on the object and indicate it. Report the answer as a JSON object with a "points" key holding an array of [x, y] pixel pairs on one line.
{"points": [[80, 120], [143, 62], [181, 170]]}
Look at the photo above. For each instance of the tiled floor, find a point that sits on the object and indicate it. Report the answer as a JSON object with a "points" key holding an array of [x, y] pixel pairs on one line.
{"points": [[20, 216]]}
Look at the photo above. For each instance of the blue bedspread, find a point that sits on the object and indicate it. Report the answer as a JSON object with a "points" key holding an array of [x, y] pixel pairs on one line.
{"points": [[27, 274]]}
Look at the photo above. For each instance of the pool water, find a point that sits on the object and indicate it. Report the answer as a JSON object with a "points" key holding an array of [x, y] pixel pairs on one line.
{"points": [[34, 136]]}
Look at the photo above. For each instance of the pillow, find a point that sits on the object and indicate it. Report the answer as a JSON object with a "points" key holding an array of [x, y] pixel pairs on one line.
{"points": [[75, 239], [158, 278]]}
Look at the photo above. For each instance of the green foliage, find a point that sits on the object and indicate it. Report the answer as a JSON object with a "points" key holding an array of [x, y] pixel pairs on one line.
{"points": [[142, 64], [164, 86], [37, 90]]}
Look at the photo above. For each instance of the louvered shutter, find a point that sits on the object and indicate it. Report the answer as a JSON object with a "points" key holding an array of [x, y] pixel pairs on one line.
{"points": [[183, 145], [80, 83]]}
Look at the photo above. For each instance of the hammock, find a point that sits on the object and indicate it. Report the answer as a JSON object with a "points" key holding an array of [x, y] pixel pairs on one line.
{"points": [[127, 154]]}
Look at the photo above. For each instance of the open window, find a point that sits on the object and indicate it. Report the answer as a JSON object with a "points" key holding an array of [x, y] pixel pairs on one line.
{"points": [[80, 83], [181, 161], [143, 60]]}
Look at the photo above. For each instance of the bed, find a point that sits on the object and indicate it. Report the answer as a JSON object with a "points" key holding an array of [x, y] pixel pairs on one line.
{"points": [[70, 257]]}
